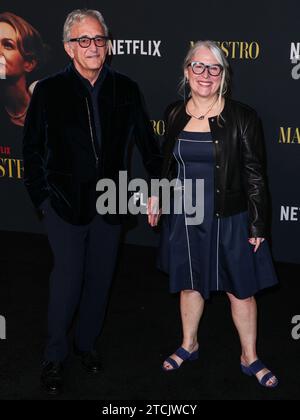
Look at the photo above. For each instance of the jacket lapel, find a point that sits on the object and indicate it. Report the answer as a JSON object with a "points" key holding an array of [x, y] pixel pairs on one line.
{"points": [[107, 100]]}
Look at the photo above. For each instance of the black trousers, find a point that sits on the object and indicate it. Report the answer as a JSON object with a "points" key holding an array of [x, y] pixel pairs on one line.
{"points": [[84, 264]]}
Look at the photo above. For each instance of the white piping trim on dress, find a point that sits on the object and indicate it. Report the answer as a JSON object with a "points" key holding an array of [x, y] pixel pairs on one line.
{"points": [[186, 228], [178, 170], [218, 239], [197, 141]]}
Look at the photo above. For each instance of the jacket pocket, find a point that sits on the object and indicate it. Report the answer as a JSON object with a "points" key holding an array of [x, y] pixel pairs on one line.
{"points": [[60, 186]]}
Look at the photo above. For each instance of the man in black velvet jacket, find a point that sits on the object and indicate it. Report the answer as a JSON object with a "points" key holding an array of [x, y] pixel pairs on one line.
{"points": [[78, 129]]}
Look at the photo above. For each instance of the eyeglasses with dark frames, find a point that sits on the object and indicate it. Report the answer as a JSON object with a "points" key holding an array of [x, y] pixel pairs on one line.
{"points": [[85, 41], [199, 68]]}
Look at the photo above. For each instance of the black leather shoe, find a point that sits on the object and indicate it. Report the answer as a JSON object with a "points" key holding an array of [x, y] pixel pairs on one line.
{"points": [[90, 360], [51, 378]]}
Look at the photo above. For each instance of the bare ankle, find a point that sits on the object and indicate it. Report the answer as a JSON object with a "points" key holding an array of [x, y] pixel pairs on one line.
{"points": [[190, 345], [248, 358]]}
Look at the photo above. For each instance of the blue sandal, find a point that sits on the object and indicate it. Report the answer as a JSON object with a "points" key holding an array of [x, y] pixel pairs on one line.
{"points": [[256, 367], [184, 355]]}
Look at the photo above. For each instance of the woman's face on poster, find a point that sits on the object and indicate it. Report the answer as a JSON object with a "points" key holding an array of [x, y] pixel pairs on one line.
{"points": [[12, 63]]}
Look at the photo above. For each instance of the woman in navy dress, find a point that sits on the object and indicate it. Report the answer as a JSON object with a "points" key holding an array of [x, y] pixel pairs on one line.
{"points": [[218, 142]]}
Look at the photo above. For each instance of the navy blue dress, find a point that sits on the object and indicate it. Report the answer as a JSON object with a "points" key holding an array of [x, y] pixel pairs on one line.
{"points": [[214, 255]]}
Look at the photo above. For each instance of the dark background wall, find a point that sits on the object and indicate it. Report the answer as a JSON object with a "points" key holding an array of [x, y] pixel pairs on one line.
{"points": [[257, 36]]}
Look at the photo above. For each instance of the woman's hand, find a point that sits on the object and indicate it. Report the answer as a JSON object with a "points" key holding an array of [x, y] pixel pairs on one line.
{"points": [[153, 211], [256, 242]]}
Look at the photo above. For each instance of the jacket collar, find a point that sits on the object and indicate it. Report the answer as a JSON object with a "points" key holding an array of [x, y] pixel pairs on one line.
{"points": [[181, 118], [87, 83], [107, 90]]}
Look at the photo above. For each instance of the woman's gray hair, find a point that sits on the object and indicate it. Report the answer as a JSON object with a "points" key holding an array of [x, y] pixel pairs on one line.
{"points": [[220, 57], [77, 16]]}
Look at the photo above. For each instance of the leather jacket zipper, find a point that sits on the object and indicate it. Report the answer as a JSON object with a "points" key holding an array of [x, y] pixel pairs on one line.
{"points": [[91, 132]]}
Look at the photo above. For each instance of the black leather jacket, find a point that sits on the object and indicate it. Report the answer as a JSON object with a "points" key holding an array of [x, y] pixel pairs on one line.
{"points": [[62, 160], [240, 180]]}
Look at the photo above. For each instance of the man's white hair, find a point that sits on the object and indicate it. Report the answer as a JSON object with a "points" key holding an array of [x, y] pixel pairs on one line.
{"points": [[77, 16]]}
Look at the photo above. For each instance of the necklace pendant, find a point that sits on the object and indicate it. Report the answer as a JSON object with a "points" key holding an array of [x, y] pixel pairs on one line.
{"points": [[201, 117]]}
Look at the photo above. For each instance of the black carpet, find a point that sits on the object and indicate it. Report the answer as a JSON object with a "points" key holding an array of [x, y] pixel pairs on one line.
{"points": [[142, 328]]}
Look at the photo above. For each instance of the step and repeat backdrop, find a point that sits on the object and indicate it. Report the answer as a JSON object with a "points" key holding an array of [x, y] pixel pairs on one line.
{"points": [[149, 41]]}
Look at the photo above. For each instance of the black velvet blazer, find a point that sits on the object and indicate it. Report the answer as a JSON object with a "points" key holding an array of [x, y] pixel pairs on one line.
{"points": [[240, 178], [62, 160]]}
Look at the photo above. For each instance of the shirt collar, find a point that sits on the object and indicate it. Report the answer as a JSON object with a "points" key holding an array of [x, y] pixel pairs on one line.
{"points": [[87, 83]]}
